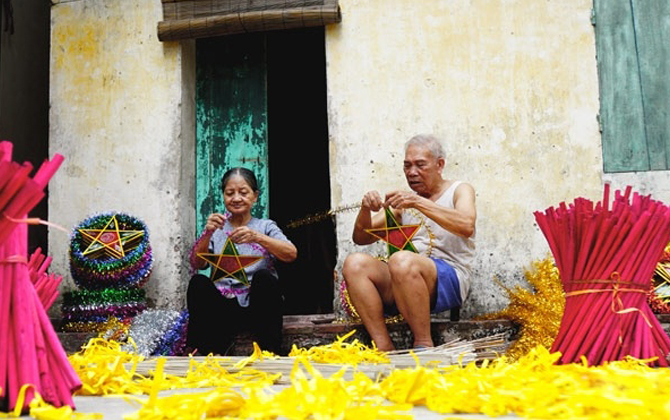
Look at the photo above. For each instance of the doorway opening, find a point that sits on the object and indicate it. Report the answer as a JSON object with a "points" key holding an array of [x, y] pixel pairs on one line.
{"points": [[299, 164], [261, 104]]}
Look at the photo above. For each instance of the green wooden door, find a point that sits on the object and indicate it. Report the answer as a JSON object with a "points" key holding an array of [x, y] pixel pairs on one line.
{"points": [[231, 118]]}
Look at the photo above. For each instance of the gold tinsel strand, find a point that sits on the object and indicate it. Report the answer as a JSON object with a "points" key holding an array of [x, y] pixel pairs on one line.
{"points": [[317, 217], [538, 311]]}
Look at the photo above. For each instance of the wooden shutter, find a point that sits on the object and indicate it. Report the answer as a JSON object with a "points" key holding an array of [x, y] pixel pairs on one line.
{"points": [[189, 19], [652, 34], [633, 66]]}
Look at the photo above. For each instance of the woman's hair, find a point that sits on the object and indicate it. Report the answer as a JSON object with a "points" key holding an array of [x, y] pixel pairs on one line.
{"points": [[428, 141], [245, 173]]}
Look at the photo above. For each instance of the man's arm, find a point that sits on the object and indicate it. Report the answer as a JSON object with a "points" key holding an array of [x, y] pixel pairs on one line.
{"points": [[461, 219], [364, 221]]}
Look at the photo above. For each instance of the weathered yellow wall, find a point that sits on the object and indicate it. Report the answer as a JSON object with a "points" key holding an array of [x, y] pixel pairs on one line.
{"points": [[118, 97], [511, 85]]}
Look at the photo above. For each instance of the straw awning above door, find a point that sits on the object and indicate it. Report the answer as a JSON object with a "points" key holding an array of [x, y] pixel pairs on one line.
{"points": [[189, 19]]}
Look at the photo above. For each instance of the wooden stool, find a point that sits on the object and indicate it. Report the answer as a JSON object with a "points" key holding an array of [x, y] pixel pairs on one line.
{"points": [[455, 314]]}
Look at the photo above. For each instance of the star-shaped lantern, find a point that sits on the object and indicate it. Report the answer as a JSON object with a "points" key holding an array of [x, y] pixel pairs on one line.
{"points": [[110, 240], [229, 263], [396, 236]]}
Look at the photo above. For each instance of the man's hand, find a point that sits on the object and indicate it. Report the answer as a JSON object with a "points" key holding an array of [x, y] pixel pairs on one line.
{"points": [[401, 200], [372, 200]]}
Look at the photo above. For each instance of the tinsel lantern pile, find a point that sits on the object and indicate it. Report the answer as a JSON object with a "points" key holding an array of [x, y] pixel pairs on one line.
{"points": [[110, 261], [659, 297], [158, 332], [32, 359]]}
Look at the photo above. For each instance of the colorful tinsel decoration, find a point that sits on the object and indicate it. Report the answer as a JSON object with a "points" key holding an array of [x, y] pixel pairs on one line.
{"points": [[537, 311], [98, 306], [101, 271], [110, 278], [158, 332], [659, 297], [173, 342]]}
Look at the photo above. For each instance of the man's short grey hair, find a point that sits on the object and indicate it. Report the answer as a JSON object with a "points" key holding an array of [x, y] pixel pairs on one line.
{"points": [[428, 141]]}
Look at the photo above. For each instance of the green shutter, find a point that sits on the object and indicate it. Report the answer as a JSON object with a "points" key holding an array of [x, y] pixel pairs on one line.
{"points": [[621, 112], [231, 118], [652, 30], [633, 67]]}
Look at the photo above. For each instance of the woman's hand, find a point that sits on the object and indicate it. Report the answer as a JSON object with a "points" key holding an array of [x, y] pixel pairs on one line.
{"points": [[244, 235], [283, 250], [215, 221]]}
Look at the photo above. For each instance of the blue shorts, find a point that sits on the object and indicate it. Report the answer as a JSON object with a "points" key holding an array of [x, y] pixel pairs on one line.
{"points": [[448, 288]]}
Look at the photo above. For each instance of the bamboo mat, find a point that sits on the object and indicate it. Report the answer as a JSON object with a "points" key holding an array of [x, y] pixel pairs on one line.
{"points": [[451, 353]]}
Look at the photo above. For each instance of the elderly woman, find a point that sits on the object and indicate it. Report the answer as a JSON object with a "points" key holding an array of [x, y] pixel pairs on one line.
{"points": [[219, 308]]}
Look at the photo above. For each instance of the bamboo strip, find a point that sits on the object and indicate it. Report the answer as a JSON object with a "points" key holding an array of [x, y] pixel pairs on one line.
{"points": [[451, 353]]}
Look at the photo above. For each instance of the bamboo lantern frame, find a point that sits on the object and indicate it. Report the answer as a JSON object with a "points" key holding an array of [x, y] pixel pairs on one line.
{"points": [[191, 19]]}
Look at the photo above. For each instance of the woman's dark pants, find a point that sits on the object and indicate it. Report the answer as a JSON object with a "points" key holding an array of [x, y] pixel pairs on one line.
{"points": [[215, 320]]}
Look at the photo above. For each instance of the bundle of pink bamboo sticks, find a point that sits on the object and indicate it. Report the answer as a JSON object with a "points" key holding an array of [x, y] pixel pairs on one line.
{"points": [[606, 258], [30, 352], [46, 284]]}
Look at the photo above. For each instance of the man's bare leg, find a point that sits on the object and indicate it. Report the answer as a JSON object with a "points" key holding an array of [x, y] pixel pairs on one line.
{"points": [[414, 280], [369, 286]]}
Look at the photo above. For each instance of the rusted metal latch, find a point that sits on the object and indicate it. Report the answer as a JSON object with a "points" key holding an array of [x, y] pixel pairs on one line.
{"points": [[250, 159]]}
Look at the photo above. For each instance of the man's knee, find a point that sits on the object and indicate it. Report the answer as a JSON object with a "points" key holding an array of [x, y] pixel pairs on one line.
{"points": [[355, 264], [403, 263]]}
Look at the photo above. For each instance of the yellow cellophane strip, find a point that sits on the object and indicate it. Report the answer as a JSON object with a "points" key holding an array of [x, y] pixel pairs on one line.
{"points": [[533, 386], [341, 352]]}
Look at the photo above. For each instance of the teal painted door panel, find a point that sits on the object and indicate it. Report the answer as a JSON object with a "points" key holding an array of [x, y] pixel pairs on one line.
{"points": [[231, 118], [621, 112], [652, 30]]}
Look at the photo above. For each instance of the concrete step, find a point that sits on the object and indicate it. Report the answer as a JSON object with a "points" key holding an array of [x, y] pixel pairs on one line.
{"points": [[311, 330]]}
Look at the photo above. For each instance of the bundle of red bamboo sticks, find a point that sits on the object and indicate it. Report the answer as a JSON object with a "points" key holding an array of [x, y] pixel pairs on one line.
{"points": [[31, 355], [606, 258]]}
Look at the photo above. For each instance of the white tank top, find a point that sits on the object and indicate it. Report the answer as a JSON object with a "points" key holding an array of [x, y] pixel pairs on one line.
{"points": [[444, 245]]}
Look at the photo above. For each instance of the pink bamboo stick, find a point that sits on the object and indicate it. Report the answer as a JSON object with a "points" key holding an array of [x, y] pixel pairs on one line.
{"points": [[47, 170]]}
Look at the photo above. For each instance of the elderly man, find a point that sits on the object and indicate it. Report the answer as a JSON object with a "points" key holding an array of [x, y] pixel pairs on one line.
{"points": [[437, 276]]}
